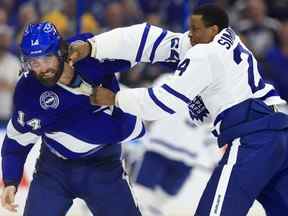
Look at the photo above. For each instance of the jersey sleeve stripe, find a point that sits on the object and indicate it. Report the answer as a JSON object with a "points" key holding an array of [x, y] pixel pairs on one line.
{"points": [[173, 147], [271, 93], [137, 132], [142, 43], [176, 94], [23, 139], [156, 44], [158, 102]]}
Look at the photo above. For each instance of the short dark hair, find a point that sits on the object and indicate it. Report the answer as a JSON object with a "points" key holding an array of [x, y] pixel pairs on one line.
{"points": [[213, 15]]}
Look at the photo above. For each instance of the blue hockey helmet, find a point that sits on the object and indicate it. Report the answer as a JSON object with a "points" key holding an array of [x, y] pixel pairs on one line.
{"points": [[41, 39]]}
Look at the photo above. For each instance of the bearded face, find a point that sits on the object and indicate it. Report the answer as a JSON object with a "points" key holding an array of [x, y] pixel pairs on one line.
{"points": [[46, 69]]}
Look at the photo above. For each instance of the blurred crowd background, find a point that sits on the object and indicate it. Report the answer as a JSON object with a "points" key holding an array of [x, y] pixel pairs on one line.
{"points": [[263, 24]]}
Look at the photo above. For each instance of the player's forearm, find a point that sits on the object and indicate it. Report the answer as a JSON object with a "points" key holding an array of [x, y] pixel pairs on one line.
{"points": [[14, 151], [120, 43], [16, 146], [146, 104], [139, 43], [13, 160]]}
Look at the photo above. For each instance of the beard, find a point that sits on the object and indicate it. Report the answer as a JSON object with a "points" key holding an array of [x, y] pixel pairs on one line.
{"points": [[50, 77]]}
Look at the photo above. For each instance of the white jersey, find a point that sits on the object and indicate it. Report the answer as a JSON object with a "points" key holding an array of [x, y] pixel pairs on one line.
{"points": [[140, 43], [210, 78], [178, 138]]}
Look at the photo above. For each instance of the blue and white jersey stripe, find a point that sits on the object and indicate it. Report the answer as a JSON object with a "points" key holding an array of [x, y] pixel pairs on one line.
{"points": [[66, 139], [269, 95], [142, 43], [176, 93], [159, 103], [82, 149], [23, 139], [156, 44], [137, 132]]}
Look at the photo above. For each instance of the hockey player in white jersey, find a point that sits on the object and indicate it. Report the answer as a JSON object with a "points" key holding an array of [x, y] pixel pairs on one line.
{"points": [[177, 152], [219, 76]]}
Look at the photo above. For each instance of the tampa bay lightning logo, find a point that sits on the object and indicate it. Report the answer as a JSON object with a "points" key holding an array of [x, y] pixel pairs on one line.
{"points": [[49, 100], [197, 109], [49, 28]]}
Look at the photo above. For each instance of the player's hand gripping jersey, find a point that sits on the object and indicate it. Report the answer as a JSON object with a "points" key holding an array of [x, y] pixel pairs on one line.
{"points": [[63, 117], [210, 74]]}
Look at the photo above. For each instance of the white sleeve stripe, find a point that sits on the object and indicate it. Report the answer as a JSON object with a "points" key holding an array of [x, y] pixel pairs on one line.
{"points": [[142, 43], [23, 139], [156, 44], [136, 132], [66, 139]]}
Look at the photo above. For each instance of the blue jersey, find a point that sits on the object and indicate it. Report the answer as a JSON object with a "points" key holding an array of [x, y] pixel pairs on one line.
{"points": [[63, 117]]}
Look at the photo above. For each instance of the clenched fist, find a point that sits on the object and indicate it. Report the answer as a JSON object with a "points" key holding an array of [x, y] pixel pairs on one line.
{"points": [[77, 51], [8, 198], [102, 96]]}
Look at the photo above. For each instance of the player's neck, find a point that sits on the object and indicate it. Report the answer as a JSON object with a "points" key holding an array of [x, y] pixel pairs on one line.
{"points": [[67, 75]]}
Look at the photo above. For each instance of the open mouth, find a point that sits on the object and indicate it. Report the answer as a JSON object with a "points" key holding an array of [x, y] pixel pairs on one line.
{"points": [[48, 75]]}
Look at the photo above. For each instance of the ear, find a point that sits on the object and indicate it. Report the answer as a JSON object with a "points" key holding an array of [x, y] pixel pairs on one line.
{"points": [[215, 30]]}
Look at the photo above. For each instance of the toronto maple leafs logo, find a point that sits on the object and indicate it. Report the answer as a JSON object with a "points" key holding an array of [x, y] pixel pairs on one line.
{"points": [[197, 109]]}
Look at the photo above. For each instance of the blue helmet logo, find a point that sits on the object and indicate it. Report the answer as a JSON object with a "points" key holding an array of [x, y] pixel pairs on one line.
{"points": [[40, 39]]}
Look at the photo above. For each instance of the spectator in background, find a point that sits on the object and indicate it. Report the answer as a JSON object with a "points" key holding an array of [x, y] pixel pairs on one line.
{"points": [[175, 15], [258, 29], [27, 14], [3, 16], [278, 9], [11, 8], [5, 21], [70, 11], [89, 24], [47, 6], [9, 69], [276, 63], [133, 13], [115, 17], [152, 11], [59, 20]]}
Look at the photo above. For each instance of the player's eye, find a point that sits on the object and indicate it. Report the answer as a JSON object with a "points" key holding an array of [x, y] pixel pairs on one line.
{"points": [[34, 63]]}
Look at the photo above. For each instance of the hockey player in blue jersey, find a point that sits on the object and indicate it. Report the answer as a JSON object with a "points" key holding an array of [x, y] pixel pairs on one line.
{"points": [[218, 76], [80, 153]]}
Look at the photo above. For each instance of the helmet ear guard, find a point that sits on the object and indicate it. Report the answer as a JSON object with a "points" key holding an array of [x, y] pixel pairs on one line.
{"points": [[24, 69]]}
